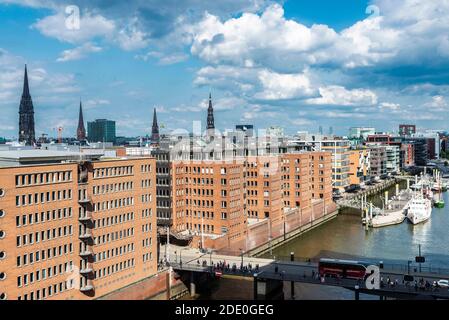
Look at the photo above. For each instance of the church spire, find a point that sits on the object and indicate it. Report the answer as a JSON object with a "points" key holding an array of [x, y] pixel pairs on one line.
{"points": [[155, 138], [26, 88], [210, 114], [81, 131], [26, 114]]}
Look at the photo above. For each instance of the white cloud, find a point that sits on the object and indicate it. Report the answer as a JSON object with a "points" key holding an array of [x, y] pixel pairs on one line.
{"points": [[78, 52], [390, 106], [131, 37], [93, 103], [164, 58], [337, 95], [91, 26], [438, 103], [271, 40], [283, 86]]}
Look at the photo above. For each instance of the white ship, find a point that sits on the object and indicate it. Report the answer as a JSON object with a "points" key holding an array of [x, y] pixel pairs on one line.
{"points": [[419, 209], [395, 211]]}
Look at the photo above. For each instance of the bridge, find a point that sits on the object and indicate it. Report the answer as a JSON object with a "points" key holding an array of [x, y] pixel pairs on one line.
{"points": [[270, 275]]}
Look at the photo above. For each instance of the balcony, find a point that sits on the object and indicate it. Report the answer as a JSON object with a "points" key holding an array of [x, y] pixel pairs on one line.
{"points": [[86, 270], [85, 253], [85, 236], [87, 288], [86, 217], [85, 200]]}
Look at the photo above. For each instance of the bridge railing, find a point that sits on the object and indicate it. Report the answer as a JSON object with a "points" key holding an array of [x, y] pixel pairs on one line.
{"points": [[390, 266]]}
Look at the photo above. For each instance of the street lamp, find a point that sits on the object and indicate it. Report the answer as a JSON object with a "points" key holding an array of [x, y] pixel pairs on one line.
{"points": [[241, 253], [210, 257]]}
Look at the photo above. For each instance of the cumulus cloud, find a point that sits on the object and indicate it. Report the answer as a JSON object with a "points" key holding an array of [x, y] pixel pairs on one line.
{"points": [[389, 106], [283, 86], [163, 58], [438, 103], [91, 26], [337, 95], [78, 52]]}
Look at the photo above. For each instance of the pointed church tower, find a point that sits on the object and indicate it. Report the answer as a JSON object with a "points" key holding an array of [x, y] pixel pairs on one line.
{"points": [[210, 114], [210, 119], [81, 131], [155, 138], [26, 114]]}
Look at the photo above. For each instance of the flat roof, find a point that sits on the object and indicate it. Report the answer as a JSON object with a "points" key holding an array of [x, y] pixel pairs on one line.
{"points": [[39, 156]]}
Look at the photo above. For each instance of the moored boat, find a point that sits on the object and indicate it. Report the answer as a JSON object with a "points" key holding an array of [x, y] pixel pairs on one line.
{"points": [[420, 209]]}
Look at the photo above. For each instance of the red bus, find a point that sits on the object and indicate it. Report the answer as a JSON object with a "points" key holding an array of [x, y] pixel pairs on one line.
{"points": [[342, 268]]}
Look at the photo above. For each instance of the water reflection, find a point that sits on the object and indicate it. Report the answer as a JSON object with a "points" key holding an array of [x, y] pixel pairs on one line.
{"points": [[345, 237]]}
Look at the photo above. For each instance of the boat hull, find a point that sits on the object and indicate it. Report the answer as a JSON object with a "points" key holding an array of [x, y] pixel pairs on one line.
{"points": [[388, 220]]}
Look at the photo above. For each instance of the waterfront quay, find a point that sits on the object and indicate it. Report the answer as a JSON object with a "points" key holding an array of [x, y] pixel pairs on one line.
{"points": [[270, 276], [353, 200]]}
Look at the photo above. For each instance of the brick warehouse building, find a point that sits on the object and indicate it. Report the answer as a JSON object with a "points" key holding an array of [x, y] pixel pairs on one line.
{"points": [[221, 203], [74, 229]]}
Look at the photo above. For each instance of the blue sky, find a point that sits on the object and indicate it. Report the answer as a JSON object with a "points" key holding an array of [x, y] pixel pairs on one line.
{"points": [[296, 64]]}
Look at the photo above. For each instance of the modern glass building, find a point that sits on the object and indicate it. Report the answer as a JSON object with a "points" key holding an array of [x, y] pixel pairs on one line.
{"points": [[101, 130]]}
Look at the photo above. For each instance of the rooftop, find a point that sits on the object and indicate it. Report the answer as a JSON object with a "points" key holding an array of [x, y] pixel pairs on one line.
{"points": [[37, 156]]}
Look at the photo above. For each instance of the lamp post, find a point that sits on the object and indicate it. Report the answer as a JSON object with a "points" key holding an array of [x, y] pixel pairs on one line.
{"points": [[241, 254], [210, 257]]}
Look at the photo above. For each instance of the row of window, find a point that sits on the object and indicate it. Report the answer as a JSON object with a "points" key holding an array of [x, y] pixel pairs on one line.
{"points": [[145, 168], [48, 291], [43, 178], [117, 219], [43, 197], [113, 172], [44, 235], [197, 227], [117, 267], [45, 273], [112, 204], [113, 187], [146, 198], [111, 253], [112, 236], [56, 214], [30, 258]]}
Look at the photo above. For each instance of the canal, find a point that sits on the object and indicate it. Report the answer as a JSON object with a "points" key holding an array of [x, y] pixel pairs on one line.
{"points": [[345, 237]]}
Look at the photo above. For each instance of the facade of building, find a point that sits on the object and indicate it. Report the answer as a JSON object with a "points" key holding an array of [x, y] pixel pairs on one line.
{"points": [[378, 160], [393, 158], [340, 150], [407, 155], [361, 132], [359, 166], [75, 229], [222, 198], [407, 130], [208, 199], [26, 115], [101, 130], [163, 187], [421, 150]]}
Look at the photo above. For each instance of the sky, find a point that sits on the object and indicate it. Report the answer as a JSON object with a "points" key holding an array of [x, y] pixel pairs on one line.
{"points": [[295, 64]]}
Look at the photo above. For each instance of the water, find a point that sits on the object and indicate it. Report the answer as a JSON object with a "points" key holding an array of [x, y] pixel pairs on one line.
{"points": [[346, 237]]}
